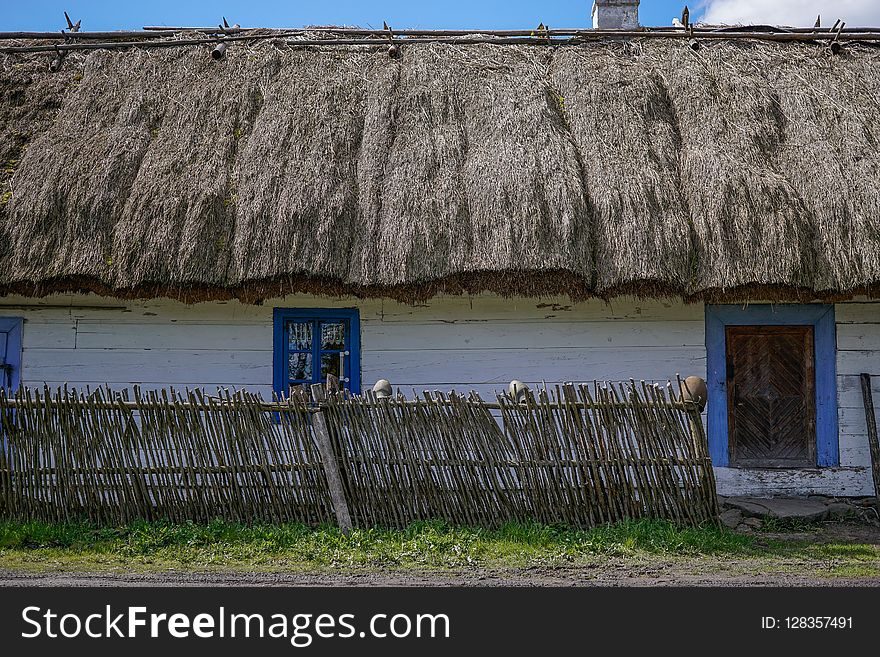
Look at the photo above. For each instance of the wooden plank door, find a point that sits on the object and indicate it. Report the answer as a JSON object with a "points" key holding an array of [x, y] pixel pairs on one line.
{"points": [[771, 393]]}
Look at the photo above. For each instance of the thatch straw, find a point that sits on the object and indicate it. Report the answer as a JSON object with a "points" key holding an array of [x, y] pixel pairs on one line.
{"points": [[741, 169]]}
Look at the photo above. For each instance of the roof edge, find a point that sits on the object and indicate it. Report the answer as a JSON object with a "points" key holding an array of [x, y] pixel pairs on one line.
{"points": [[544, 284]]}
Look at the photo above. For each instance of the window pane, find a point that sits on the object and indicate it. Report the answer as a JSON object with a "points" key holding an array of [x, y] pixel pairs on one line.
{"points": [[333, 336], [299, 335], [331, 364], [300, 367]]}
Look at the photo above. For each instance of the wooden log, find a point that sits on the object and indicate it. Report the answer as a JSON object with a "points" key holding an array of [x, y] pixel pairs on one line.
{"points": [[873, 441], [292, 406], [156, 31], [91, 36], [463, 40], [331, 464]]}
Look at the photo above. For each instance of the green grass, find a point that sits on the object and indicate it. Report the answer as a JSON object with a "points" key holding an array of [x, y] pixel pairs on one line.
{"points": [[421, 544], [782, 525], [428, 545]]}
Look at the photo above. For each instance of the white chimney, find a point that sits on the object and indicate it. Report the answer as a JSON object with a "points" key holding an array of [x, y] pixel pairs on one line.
{"points": [[615, 14]]}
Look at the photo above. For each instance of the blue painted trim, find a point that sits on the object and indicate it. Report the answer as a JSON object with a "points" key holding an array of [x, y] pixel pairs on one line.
{"points": [[12, 326], [279, 343], [827, 436], [821, 317], [716, 370], [278, 353]]}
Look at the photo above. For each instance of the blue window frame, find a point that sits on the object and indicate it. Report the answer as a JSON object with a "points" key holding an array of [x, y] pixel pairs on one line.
{"points": [[821, 317], [10, 352], [310, 343]]}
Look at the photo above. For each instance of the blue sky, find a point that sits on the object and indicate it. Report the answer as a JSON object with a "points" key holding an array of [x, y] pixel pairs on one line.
{"points": [[499, 14]]}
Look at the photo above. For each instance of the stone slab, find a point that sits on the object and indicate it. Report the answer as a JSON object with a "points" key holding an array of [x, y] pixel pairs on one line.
{"points": [[731, 518], [779, 507], [841, 510]]}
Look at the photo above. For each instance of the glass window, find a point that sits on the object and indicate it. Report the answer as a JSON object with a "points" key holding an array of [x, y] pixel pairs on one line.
{"points": [[300, 367], [299, 335], [333, 335], [331, 364]]}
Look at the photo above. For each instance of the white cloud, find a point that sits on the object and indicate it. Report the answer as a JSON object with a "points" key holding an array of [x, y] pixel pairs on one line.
{"points": [[856, 13]]}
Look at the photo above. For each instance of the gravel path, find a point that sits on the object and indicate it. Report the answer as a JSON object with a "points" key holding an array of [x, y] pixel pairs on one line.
{"points": [[611, 575]]}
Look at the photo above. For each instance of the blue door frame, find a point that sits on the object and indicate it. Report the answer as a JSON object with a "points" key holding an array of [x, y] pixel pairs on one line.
{"points": [[821, 317]]}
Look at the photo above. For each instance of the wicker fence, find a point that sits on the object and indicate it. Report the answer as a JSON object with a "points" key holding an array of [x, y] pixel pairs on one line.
{"points": [[572, 455]]}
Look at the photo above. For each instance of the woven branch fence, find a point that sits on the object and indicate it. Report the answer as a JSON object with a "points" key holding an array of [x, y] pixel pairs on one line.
{"points": [[571, 455], [109, 458]]}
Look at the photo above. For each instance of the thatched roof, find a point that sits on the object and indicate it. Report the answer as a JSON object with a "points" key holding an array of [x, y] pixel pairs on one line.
{"points": [[743, 169]]}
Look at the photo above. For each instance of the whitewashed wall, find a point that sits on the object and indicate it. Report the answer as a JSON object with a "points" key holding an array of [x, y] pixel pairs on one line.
{"points": [[461, 343], [457, 342]]}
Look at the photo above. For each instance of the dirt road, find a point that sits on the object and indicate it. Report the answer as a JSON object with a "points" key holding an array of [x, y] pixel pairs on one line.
{"points": [[736, 573]]}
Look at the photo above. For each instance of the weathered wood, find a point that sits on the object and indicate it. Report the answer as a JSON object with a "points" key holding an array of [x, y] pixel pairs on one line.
{"points": [[451, 368], [462, 32], [113, 459], [168, 335], [525, 332], [564, 455], [873, 440], [330, 463], [331, 472], [229, 344], [286, 406], [445, 456], [166, 367], [356, 36], [91, 36], [794, 482], [771, 396]]}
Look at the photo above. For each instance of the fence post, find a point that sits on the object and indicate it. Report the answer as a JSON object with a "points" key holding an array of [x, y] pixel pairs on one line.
{"points": [[331, 465], [698, 433], [871, 421], [693, 396]]}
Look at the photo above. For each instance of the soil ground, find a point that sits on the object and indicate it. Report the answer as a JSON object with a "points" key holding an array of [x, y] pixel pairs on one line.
{"points": [[612, 574]]}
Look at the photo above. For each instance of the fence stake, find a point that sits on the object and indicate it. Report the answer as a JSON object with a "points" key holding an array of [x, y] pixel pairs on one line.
{"points": [[331, 465], [868, 400]]}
